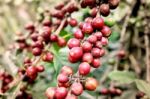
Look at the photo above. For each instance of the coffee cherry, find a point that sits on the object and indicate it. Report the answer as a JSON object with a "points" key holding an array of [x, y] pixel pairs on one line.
{"points": [[30, 26], [104, 41], [46, 32], [66, 85], [46, 22], [118, 92], [104, 91], [112, 91], [31, 71], [58, 14], [89, 2], [95, 52], [104, 9], [62, 78], [102, 52], [61, 42], [84, 68], [54, 38], [98, 23], [92, 39], [139, 95], [67, 70], [73, 42], [71, 97], [87, 57], [86, 46], [48, 57], [93, 12], [121, 53], [40, 68], [96, 63], [76, 53], [59, 6], [106, 31], [73, 22], [72, 60], [61, 93], [88, 20], [110, 22], [81, 25], [34, 36], [27, 60], [36, 51], [50, 92], [78, 34], [91, 84], [87, 28], [98, 35], [76, 88], [38, 44], [113, 3], [98, 44]]}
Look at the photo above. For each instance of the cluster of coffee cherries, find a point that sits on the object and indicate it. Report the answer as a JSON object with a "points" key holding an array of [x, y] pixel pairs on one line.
{"points": [[6, 80], [112, 91]]}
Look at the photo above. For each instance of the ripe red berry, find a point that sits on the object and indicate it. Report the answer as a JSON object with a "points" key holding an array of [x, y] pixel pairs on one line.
{"points": [[87, 28], [98, 44], [62, 78], [102, 52], [59, 6], [106, 31], [104, 91], [104, 41], [92, 39], [34, 36], [98, 23], [48, 57], [98, 35], [87, 57], [76, 53], [88, 20], [78, 34], [113, 3], [104, 9], [30, 26], [121, 53], [46, 32], [36, 51], [76, 88], [38, 44], [112, 91], [73, 42], [66, 85], [54, 38], [40, 68], [80, 25], [93, 12], [95, 52], [46, 22], [86, 46], [67, 70], [31, 71], [91, 84], [96, 63], [84, 68], [61, 42], [89, 2], [27, 60], [61, 93], [73, 22], [71, 97], [50, 92]]}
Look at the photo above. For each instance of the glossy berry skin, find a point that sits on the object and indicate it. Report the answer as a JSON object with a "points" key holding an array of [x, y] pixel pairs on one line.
{"points": [[84, 68], [76, 53], [73, 42], [46, 22], [95, 52], [93, 12], [91, 84], [31, 71], [38, 44], [48, 57], [50, 92], [61, 93], [66, 70], [102, 52], [62, 78], [40, 68], [87, 28], [104, 41], [34, 36], [113, 3], [104, 91], [61, 42], [92, 39], [81, 25], [86, 46], [71, 97], [46, 32], [87, 57], [98, 44], [98, 35], [54, 38], [88, 20], [36, 51], [96, 63], [78, 34], [106, 31], [76, 88], [98, 23], [73, 22], [104, 9]]}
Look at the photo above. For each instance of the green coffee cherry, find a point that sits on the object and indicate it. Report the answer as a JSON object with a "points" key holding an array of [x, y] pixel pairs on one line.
{"points": [[110, 22]]}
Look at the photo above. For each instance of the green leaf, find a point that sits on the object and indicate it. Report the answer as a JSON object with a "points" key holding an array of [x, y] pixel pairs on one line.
{"points": [[143, 86], [122, 76]]}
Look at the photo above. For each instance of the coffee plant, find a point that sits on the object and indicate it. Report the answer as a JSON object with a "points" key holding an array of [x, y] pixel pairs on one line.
{"points": [[74, 51]]}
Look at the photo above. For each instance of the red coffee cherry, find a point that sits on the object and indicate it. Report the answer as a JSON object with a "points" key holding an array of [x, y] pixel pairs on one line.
{"points": [[59, 6], [54, 38], [104, 9], [102, 52], [106, 31], [118, 92], [50, 92], [73, 22], [86, 46], [84, 68], [92, 39], [98, 44], [95, 52], [87, 28], [91, 84], [112, 91], [62, 78], [40, 68], [88, 20], [76, 88], [121, 53], [139, 95], [36, 51], [104, 41], [27, 60], [78, 34], [96, 63], [46, 22], [58, 14], [61, 93], [71, 97], [31, 71], [48, 57], [81, 25], [46, 32], [38, 44], [66, 85], [30, 26], [93, 12], [76, 53], [61, 42], [104, 91], [72, 60], [73, 42], [87, 57], [98, 23], [113, 3], [89, 2], [98, 35], [34, 36], [67, 70]]}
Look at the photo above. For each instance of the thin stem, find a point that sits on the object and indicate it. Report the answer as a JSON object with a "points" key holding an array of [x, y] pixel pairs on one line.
{"points": [[60, 27]]}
